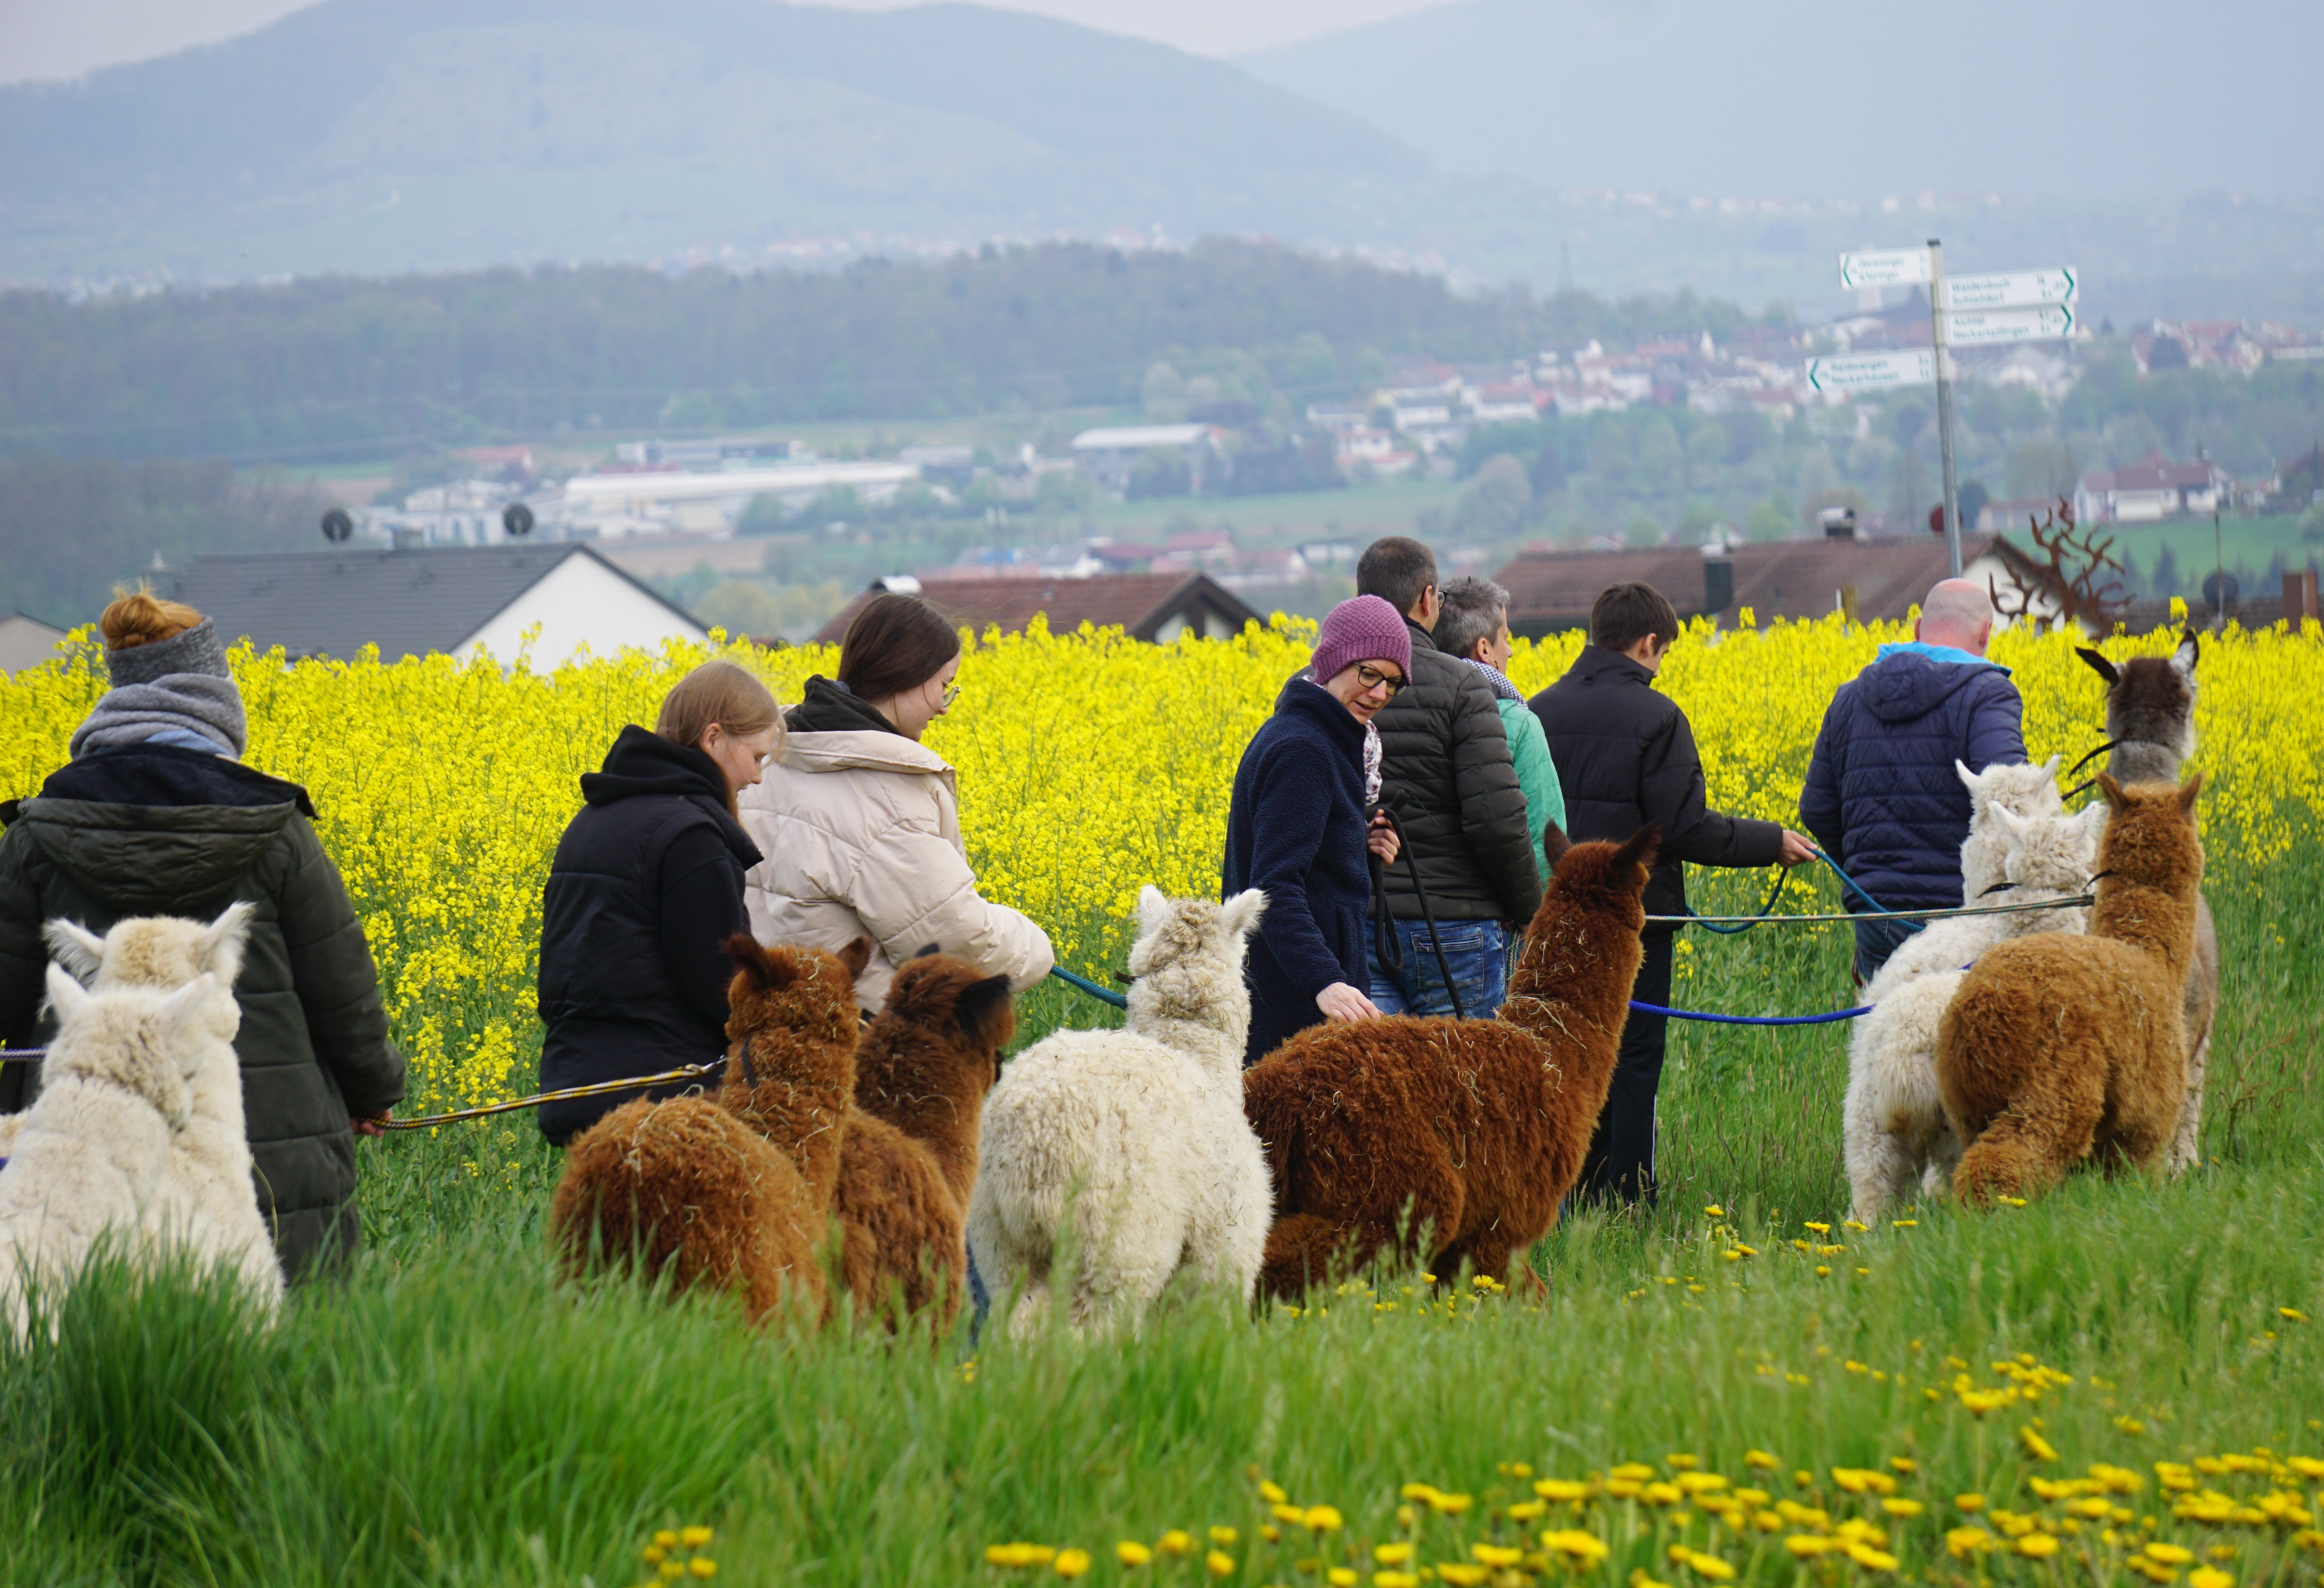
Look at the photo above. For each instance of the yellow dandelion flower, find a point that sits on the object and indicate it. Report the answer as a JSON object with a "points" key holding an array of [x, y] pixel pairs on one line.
{"points": [[1969, 1502], [1341, 1577], [1272, 1493], [1131, 1552], [2037, 1545], [703, 1566], [1220, 1563], [1587, 1548], [1461, 1575], [1177, 1541], [1901, 1507], [2039, 1448], [1322, 1518], [694, 1538], [2209, 1577], [1225, 1537]]}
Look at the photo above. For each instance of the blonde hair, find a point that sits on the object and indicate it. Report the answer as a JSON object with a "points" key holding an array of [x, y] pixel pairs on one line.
{"points": [[138, 617], [719, 692]]}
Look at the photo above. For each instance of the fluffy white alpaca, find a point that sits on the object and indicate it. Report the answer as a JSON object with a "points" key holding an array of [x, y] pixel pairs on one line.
{"points": [[93, 1155], [1131, 1145], [1895, 1135], [211, 1203]]}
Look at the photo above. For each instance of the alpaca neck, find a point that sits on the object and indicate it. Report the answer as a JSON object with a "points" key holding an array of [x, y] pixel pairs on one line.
{"points": [[2150, 918], [2143, 760], [1564, 989], [1214, 1040], [803, 1120], [940, 1110]]}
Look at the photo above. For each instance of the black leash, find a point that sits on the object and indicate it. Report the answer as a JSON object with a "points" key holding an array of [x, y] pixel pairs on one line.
{"points": [[1385, 934]]}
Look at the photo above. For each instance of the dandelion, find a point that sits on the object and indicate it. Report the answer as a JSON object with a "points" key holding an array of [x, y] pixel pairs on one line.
{"points": [[1177, 1541], [2209, 1577], [1220, 1563], [1969, 1502], [1394, 1580], [1071, 1563], [694, 1537], [1461, 1575], [702, 1567], [1495, 1555], [2037, 1545], [1715, 1211], [1324, 1519], [2039, 1448], [1272, 1493], [1901, 1507], [1131, 1552], [1392, 1555], [2290, 1315], [1584, 1548], [1225, 1537]]}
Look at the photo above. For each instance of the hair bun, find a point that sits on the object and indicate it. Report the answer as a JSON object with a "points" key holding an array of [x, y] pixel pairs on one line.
{"points": [[139, 617]]}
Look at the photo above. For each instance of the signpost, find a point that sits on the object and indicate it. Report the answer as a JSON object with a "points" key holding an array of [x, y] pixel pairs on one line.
{"points": [[1967, 311]]}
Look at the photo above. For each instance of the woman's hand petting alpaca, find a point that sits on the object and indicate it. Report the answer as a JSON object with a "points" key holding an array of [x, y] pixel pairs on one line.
{"points": [[1381, 840], [1340, 1001]]}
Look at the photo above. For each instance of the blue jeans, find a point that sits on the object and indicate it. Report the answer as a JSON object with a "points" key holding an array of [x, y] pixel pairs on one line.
{"points": [[1875, 941], [1478, 951]]}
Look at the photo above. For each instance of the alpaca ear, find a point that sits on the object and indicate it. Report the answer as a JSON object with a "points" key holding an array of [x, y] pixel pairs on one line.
{"points": [[2049, 771], [75, 947], [2183, 659], [930, 952], [986, 1016], [1972, 782], [1239, 915], [67, 997], [2187, 790], [856, 956], [2091, 822], [1641, 847], [2105, 668], [752, 958], [1153, 909], [223, 940], [179, 1006], [1554, 845], [2109, 791], [2008, 821]]}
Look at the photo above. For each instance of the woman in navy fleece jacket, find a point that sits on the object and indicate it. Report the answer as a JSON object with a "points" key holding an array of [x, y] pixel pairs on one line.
{"points": [[1298, 828]]}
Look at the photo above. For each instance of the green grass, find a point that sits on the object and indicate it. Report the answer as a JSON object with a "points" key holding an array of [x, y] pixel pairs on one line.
{"points": [[450, 1415]]}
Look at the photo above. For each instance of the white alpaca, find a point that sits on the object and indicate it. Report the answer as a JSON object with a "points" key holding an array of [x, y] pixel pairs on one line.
{"points": [[1131, 1145], [1894, 1133], [212, 1204], [92, 1157]]}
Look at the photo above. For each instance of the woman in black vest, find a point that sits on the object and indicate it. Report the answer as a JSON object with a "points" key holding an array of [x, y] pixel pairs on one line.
{"points": [[646, 886]]}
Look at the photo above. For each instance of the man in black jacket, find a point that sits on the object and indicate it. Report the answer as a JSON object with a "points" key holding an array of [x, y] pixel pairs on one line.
{"points": [[1446, 774], [1625, 757]]}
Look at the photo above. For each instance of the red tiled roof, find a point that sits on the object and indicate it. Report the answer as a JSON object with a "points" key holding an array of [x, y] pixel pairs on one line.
{"points": [[1550, 591], [1104, 600]]}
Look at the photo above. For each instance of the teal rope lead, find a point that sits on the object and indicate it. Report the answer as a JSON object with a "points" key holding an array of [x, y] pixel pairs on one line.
{"points": [[1103, 994]]}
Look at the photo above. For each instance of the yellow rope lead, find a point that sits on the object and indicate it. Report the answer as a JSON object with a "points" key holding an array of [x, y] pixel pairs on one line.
{"points": [[595, 1089]]}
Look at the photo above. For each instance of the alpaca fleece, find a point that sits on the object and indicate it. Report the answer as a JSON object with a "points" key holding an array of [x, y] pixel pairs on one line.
{"points": [[1470, 1130], [2021, 848], [908, 1159], [735, 1192], [209, 1203], [2059, 1046], [2150, 717], [91, 1161], [1123, 1156]]}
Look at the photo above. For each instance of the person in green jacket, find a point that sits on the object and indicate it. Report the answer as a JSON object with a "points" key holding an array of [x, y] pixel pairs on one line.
{"points": [[1474, 626], [156, 814]]}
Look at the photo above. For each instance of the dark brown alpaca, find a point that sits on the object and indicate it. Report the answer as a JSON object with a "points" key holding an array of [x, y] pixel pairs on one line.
{"points": [[2150, 718], [2059, 1046], [909, 1157], [1473, 1129], [735, 1193]]}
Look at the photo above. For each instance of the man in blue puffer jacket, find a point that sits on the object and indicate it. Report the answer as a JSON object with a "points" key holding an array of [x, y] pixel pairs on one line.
{"points": [[1882, 796]]}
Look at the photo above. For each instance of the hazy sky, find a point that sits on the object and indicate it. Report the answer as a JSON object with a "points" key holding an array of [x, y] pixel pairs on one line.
{"points": [[64, 38]]}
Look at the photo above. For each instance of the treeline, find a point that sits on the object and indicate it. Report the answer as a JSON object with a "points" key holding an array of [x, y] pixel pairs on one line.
{"points": [[347, 366], [72, 529]]}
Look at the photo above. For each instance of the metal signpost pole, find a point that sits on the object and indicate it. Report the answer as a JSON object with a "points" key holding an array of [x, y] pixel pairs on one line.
{"points": [[1944, 404]]}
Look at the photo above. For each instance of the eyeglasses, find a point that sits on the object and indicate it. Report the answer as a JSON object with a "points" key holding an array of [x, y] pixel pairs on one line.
{"points": [[1370, 678], [951, 694]]}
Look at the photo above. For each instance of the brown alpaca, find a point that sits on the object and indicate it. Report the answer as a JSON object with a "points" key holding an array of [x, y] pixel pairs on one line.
{"points": [[2059, 1046], [735, 1192], [909, 1160], [1475, 1129]]}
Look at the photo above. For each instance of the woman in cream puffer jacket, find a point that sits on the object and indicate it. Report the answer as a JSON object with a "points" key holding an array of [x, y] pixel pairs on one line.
{"points": [[860, 823]]}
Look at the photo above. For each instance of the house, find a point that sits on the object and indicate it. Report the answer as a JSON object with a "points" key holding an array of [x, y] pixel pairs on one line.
{"points": [[1157, 607], [1550, 591], [657, 500], [2150, 489], [419, 601], [1198, 549], [1109, 455], [27, 641]]}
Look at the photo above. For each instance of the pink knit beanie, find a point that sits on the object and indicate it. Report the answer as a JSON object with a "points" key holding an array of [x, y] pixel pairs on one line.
{"points": [[1365, 629]]}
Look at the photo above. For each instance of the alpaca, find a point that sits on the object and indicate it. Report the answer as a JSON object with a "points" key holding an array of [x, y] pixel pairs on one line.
{"points": [[2150, 717], [737, 1192], [212, 1200], [1473, 1130], [2023, 791], [92, 1157], [1131, 1146], [2057, 1046], [909, 1157], [1896, 1134]]}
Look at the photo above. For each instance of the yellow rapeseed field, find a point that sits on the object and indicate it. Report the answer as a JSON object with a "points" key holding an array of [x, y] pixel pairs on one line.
{"points": [[1089, 765]]}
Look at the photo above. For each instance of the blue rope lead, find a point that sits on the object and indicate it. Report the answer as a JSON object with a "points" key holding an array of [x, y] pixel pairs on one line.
{"points": [[1103, 994], [1751, 1019], [1783, 875]]}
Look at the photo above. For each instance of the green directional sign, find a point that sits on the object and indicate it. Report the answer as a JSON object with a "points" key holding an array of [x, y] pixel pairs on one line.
{"points": [[2013, 289], [1870, 372], [1979, 328], [1884, 267]]}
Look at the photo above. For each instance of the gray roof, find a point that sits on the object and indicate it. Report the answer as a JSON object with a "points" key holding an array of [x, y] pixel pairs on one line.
{"points": [[407, 603]]}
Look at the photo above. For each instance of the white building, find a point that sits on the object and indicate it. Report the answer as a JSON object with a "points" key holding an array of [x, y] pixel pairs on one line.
{"points": [[1109, 455], [649, 500], [27, 641]]}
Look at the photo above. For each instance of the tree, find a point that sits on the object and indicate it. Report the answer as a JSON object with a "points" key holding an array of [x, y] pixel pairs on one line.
{"points": [[1159, 472], [1775, 519], [1494, 506], [1971, 498]]}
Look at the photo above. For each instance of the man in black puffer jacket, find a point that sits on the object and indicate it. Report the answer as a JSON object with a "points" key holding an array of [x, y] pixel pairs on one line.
{"points": [[1445, 773], [1625, 758]]}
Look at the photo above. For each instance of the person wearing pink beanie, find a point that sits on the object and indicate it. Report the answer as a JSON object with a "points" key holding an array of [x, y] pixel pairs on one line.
{"points": [[1300, 822]]}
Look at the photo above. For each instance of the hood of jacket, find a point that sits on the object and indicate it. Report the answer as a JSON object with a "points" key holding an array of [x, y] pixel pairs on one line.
{"points": [[830, 707], [1905, 684], [150, 826], [643, 763], [1597, 664]]}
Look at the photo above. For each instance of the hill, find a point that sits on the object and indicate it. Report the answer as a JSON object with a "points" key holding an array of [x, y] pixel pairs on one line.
{"points": [[392, 134], [2069, 99]]}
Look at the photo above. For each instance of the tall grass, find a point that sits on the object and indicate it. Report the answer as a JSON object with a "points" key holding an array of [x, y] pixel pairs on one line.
{"points": [[451, 1415]]}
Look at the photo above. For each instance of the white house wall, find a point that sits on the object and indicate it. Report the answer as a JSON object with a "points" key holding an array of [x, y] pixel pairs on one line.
{"points": [[580, 602]]}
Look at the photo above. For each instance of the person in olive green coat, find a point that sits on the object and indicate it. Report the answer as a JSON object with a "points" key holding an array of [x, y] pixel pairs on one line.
{"points": [[1474, 625], [154, 815]]}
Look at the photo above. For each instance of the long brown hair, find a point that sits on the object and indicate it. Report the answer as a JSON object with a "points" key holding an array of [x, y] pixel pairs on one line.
{"points": [[138, 617], [895, 644], [724, 693]]}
